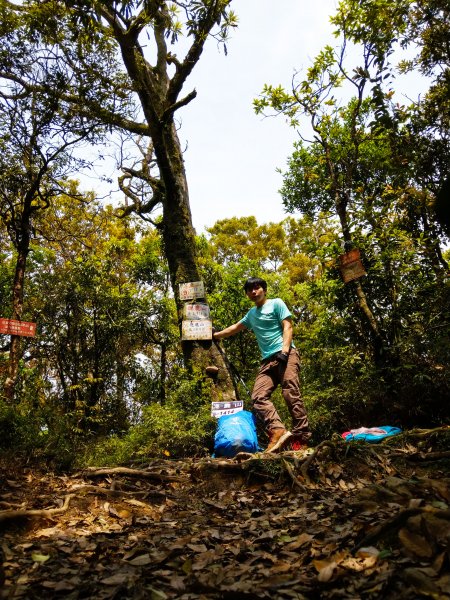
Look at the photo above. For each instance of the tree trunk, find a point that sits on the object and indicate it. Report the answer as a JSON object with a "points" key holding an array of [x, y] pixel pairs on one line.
{"points": [[162, 376], [179, 245], [177, 228], [369, 318], [17, 308]]}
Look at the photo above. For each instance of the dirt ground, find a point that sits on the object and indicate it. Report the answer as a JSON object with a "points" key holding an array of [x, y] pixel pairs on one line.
{"points": [[342, 520]]}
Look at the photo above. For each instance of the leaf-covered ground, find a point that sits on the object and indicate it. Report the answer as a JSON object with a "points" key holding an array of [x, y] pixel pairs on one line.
{"points": [[338, 521]]}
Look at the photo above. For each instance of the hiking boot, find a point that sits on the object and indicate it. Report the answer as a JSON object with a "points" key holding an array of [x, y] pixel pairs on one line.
{"points": [[277, 438], [297, 445]]}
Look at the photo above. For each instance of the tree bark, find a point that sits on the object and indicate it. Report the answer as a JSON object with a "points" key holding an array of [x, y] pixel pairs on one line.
{"points": [[23, 248], [369, 317], [177, 228]]}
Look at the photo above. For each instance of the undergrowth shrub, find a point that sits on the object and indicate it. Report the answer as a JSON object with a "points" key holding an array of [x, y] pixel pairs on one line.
{"points": [[164, 431], [20, 429], [181, 427]]}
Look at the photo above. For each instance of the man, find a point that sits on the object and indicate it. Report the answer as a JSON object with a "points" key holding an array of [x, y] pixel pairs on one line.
{"points": [[270, 320]]}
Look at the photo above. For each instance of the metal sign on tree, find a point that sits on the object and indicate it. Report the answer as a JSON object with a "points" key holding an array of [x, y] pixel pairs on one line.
{"points": [[351, 266], [196, 324], [13, 327]]}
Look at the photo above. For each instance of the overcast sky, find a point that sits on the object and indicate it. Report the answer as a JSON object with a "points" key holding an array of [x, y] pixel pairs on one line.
{"points": [[232, 154]]}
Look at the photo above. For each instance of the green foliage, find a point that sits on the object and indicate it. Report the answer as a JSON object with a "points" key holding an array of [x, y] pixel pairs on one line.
{"points": [[375, 164], [181, 427], [17, 432], [99, 298], [37, 429]]}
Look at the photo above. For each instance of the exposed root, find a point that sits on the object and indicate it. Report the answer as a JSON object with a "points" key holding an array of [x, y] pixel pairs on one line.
{"points": [[8, 515], [306, 464], [291, 472], [92, 472], [114, 493]]}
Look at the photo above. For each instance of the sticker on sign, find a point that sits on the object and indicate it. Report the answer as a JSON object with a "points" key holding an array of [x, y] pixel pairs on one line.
{"points": [[196, 311], [196, 330], [192, 290], [219, 409]]}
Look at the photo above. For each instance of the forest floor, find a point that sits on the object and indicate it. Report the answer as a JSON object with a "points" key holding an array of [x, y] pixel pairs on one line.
{"points": [[342, 520]]}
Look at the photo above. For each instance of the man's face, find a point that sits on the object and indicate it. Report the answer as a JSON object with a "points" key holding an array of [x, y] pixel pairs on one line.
{"points": [[256, 294]]}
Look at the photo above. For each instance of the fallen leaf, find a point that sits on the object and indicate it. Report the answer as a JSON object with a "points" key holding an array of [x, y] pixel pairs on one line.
{"points": [[197, 547], [140, 561], [187, 566], [116, 579], [157, 594], [301, 540], [135, 502], [66, 586], [281, 567], [120, 513], [48, 532], [421, 582], [177, 583], [9, 555], [40, 558], [326, 571], [369, 551], [360, 564], [415, 544]]}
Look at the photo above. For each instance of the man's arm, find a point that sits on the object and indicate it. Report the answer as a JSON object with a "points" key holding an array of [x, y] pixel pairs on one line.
{"points": [[229, 331], [286, 324]]}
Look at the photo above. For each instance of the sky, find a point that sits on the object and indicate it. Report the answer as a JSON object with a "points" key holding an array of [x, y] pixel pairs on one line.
{"points": [[232, 155]]}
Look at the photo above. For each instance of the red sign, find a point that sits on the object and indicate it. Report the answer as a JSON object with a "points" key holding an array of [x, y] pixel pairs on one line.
{"points": [[351, 266], [12, 327]]}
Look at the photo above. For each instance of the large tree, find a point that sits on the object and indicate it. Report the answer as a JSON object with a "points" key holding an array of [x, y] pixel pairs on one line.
{"points": [[89, 36]]}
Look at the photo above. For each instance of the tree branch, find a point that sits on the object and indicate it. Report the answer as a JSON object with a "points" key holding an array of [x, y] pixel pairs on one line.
{"points": [[168, 113]]}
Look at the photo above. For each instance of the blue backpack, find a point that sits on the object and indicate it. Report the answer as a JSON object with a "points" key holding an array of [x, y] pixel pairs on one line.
{"points": [[235, 433]]}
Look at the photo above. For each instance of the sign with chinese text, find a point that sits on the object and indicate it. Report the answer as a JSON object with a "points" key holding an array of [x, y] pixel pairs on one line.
{"points": [[351, 266], [196, 311], [196, 330], [218, 409], [192, 290], [12, 327]]}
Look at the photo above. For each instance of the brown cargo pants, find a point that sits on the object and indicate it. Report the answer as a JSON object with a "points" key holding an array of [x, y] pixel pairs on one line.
{"points": [[271, 374]]}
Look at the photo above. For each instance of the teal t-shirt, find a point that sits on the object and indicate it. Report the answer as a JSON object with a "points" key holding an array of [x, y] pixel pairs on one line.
{"points": [[265, 322]]}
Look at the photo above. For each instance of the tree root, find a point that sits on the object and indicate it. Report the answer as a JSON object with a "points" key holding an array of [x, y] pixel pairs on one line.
{"points": [[4, 504], [307, 463], [420, 433], [93, 472], [290, 471], [101, 491], [7, 515], [244, 461]]}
